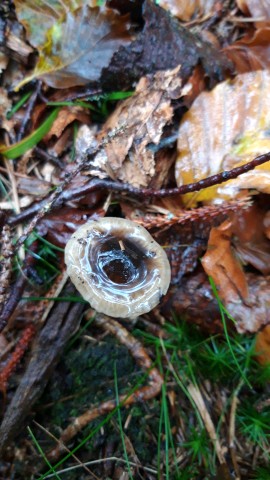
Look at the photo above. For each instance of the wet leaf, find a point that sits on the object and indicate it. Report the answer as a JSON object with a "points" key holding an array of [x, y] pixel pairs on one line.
{"points": [[78, 45], [249, 240], [253, 312], [225, 128], [251, 52], [258, 9], [30, 12], [134, 127], [221, 264], [101, 36], [194, 301], [262, 346], [187, 9]]}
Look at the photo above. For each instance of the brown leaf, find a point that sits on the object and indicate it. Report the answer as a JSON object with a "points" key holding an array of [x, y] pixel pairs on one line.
{"points": [[5, 106], [186, 10], [137, 123], [266, 224], [65, 117], [259, 9], [262, 346], [249, 239], [194, 301], [225, 128], [254, 312], [220, 263], [251, 52]]}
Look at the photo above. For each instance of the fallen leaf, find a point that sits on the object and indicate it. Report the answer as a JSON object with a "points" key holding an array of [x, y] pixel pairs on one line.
{"points": [[30, 13], [258, 9], [59, 228], [254, 312], [223, 129], [251, 52], [256, 180], [65, 117], [135, 125], [3, 62], [5, 107], [249, 240], [220, 263], [193, 300], [266, 224], [262, 346], [78, 46], [186, 10]]}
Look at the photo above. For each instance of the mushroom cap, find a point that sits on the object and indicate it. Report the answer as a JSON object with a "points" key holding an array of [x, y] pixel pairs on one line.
{"points": [[117, 267]]}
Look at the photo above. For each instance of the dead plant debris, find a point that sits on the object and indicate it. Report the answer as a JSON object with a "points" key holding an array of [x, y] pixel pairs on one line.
{"points": [[157, 112]]}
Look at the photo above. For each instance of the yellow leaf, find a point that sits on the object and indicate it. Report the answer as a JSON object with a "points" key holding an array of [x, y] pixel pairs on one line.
{"points": [[223, 129]]}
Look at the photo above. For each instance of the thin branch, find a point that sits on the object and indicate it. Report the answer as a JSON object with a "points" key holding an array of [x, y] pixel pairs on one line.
{"points": [[96, 184], [29, 110]]}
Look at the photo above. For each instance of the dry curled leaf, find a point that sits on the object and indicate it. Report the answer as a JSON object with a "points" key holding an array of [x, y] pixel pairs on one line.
{"points": [[135, 125], [185, 10], [194, 301], [249, 239], [262, 346], [251, 52], [65, 117], [223, 129], [253, 313], [79, 44], [258, 9], [221, 264]]}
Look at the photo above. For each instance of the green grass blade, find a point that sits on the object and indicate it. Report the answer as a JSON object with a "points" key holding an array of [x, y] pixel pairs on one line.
{"points": [[222, 313], [56, 299], [39, 449], [18, 105], [18, 149], [120, 424]]}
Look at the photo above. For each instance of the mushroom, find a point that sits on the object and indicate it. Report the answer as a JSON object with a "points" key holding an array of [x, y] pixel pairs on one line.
{"points": [[117, 267]]}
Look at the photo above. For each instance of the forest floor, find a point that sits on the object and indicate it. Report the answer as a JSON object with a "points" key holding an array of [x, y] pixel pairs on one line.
{"points": [[157, 113]]}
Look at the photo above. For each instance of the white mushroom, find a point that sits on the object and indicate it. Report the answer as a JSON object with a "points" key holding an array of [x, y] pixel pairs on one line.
{"points": [[117, 267]]}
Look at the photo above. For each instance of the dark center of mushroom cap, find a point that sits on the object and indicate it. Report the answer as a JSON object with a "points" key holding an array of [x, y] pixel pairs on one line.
{"points": [[120, 259]]}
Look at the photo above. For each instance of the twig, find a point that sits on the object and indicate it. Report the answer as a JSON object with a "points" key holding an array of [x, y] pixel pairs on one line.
{"points": [[6, 270], [18, 288], [49, 158], [15, 196], [197, 397], [103, 460], [47, 348], [60, 197], [142, 394], [87, 93], [29, 110], [232, 428], [81, 464]]}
